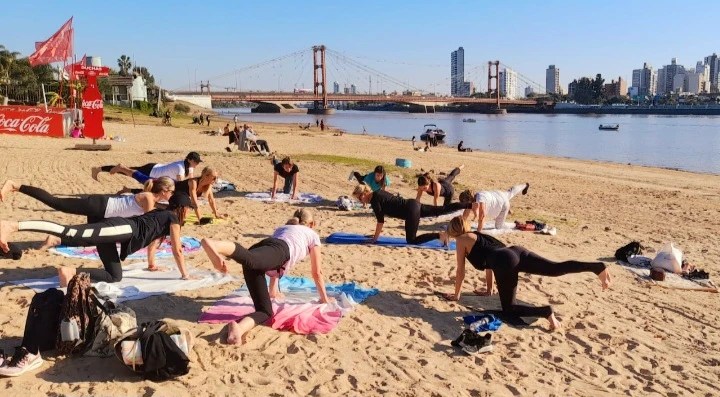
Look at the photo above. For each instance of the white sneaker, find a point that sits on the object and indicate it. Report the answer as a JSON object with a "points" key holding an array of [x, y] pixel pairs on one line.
{"points": [[351, 177], [552, 231], [23, 361]]}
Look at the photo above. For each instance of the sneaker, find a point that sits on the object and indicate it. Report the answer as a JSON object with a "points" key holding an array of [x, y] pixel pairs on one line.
{"points": [[3, 358], [473, 343], [21, 362], [351, 177]]}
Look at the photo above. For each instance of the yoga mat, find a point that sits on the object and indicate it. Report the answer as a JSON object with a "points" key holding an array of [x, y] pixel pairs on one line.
{"points": [[349, 238], [488, 227], [672, 281], [222, 185], [284, 198], [299, 311], [138, 283], [192, 219], [190, 246]]}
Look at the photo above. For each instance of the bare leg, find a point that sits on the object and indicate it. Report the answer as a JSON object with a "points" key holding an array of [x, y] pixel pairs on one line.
{"points": [[50, 241], [122, 169], [555, 324], [8, 187], [95, 172], [217, 251], [6, 229], [66, 274]]}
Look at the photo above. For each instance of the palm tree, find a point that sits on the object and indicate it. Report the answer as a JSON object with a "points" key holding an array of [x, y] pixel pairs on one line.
{"points": [[124, 64], [7, 59]]}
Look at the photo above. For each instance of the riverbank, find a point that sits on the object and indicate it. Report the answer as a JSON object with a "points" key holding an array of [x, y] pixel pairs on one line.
{"points": [[631, 340]]}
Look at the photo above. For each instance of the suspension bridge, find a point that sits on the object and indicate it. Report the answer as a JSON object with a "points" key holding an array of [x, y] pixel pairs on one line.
{"points": [[350, 70]]}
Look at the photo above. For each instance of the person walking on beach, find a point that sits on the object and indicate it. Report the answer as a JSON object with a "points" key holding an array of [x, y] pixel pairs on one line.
{"points": [[442, 187], [235, 119], [505, 263], [322, 125], [272, 257], [317, 123], [494, 204], [208, 120]]}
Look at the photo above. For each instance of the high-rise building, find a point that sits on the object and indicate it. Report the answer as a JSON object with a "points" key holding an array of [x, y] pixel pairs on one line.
{"points": [[457, 72], [353, 89], [529, 90], [636, 77], [336, 88], [468, 88], [616, 88], [660, 82], [571, 88], [713, 63], [644, 80], [552, 80], [508, 83], [667, 82]]}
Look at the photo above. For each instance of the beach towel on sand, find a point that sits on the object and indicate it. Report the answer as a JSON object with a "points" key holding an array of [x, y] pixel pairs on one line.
{"points": [[349, 238], [639, 266], [300, 310], [285, 198], [138, 283], [193, 220], [190, 246]]}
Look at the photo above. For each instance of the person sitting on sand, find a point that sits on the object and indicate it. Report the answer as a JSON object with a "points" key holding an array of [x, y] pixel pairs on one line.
{"points": [[409, 210], [194, 187], [133, 234], [226, 130], [177, 171], [288, 171], [505, 263], [261, 143], [272, 257], [425, 148], [441, 187], [377, 180], [462, 148], [494, 204]]}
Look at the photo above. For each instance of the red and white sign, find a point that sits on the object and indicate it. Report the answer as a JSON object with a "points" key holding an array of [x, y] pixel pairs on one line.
{"points": [[31, 120], [92, 104]]}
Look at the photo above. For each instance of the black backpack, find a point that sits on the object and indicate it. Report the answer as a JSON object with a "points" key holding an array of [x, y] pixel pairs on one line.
{"points": [[43, 321], [623, 253], [162, 358]]}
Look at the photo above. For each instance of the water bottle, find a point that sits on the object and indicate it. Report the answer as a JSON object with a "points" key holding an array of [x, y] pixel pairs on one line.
{"points": [[478, 326], [69, 330]]}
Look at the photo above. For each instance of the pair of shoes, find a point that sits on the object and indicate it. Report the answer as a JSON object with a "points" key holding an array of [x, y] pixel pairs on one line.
{"points": [[473, 343], [21, 362], [549, 230]]}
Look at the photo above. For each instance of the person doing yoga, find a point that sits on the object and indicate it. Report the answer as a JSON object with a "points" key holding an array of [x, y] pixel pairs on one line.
{"points": [[178, 170], [96, 207], [133, 234], [436, 188], [377, 180], [409, 210], [505, 263], [288, 171], [194, 187], [494, 204], [271, 257]]}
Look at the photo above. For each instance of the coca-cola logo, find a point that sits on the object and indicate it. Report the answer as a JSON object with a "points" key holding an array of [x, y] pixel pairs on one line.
{"points": [[95, 104], [29, 124]]}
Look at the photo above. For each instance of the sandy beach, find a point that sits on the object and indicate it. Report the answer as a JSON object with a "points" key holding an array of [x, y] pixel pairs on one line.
{"points": [[633, 340]]}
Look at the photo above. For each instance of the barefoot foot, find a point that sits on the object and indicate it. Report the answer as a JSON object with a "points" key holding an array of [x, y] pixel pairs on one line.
{"points": [[527, 186], [7, 187], [95, 172], [555, 324], [605, 278], [66, 274], [50, 241], [235, 336], [158, 269]]}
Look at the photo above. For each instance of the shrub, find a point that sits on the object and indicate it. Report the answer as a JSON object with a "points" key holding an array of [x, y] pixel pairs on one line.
{"points": [[143, 106], [182, 108]]}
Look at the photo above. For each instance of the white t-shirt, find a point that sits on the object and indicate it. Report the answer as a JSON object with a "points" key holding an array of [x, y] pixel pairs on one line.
{"points": [[171, 170], [300, 239], [494, 201]]}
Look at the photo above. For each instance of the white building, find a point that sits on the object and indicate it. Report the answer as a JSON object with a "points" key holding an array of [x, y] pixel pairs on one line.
{"points": [[529, 90], [508, 83], [552, 80], [353, 89], [645, 80], [457, 72], [336, 88]]}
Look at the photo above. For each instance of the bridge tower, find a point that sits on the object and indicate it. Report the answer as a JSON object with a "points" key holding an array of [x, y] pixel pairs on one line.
{"points": [[494, 74], [320, 104], [203, 86]]}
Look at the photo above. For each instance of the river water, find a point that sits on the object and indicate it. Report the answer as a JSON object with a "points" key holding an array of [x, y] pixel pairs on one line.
{"points": [[690, 143]]}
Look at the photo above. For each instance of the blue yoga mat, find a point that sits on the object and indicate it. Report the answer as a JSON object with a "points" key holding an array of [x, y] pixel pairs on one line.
{"points": [[348, 238]]}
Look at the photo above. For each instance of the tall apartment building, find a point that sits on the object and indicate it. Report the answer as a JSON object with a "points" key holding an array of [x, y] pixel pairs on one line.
{"points": [[713, 63], [552, 80], [645, 80], [508, 83], [457, 72], [666, 81], [336, 88]]}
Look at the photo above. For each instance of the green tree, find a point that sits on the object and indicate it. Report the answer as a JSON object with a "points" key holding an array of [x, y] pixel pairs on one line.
{"points": [[7, 59], [124, 64], [598, 88]]}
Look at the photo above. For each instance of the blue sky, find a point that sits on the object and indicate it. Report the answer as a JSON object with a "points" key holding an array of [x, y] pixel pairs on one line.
{"points": [[410, 41]]}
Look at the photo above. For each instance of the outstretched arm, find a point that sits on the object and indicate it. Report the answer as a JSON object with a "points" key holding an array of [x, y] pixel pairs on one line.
{"points": [[419, 193], [177, 251], [460, 272], [274, 189], [192, 185], [436, 193], [213, 205], [378, 230], [316, 266]]}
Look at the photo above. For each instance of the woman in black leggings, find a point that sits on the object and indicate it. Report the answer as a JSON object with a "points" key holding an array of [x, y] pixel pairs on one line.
{"points": [[384, 203], [132, 233], [442, 187], [486, 252], [273, 257], [178, 170]]}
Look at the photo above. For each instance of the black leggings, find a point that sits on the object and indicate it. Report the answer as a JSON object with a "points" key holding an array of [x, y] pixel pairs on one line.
{"points": [[92, 206], [506, 263], [268, 254], [447, 187], [103, 234], [145, 169], [360, 177], [415, 211]]}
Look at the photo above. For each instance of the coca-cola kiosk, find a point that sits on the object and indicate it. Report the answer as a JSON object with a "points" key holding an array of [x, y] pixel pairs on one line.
{"points": [[35, 121], [92, 103]]}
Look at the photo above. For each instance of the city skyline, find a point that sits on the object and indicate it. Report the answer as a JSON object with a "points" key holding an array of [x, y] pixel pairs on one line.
{"points": [[183, 41]]}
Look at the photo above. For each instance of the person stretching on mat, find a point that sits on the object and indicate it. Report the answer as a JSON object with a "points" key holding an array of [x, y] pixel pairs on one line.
{"points": [[409, 210], [271, 257], [133, 234], [288, 171], [178, 170], [442, 187], [377, 180], [194, 187], [96, 207], [505, 263], [494, 204]]}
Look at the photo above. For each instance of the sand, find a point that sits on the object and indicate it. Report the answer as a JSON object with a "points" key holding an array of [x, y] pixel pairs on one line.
{"points": [[631, 340]]}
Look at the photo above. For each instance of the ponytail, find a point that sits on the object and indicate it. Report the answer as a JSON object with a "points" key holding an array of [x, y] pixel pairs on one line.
{"points": [[301, 217], [159, 185], [148, 185], [186, 162]]}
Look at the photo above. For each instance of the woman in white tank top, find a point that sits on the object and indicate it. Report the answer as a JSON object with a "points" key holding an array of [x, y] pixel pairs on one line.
{"points": [[178, 170]]}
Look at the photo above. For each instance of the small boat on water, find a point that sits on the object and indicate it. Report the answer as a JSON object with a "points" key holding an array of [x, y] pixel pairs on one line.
{"points": [[469, 120], [611, 127], [439, 134]]}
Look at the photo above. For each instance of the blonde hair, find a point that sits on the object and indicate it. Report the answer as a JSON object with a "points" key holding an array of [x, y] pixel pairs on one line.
{"points": [[361, 189], [158, 185], [458, 226], [301, 217], [467, 196], [206, 171]]}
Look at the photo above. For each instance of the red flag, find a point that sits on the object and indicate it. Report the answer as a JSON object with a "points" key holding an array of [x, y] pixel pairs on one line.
{"points": [[58, 47], [69, 68]]}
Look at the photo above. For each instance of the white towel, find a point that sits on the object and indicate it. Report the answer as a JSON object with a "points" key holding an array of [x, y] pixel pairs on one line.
{"points": [[284, 198]]}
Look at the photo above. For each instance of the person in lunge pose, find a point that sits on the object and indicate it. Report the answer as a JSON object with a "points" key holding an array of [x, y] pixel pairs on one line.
{"points": [[505, 263], [273, 257], [436, 188], [177, 171], [494, 204], [384, 203], [133, 234]]}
